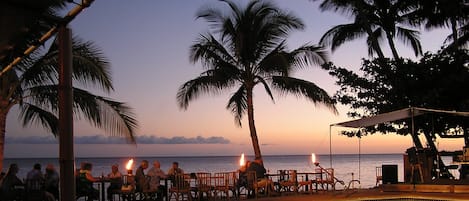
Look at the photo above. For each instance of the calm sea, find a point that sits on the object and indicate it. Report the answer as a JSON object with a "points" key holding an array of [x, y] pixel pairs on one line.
{"points": [[362, 166]]}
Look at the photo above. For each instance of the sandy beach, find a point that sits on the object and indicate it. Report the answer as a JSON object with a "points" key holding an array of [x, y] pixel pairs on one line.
{"points": [[369, 194]]}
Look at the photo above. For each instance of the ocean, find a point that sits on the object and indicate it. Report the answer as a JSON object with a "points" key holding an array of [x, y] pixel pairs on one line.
{"points": [[362, 166]]}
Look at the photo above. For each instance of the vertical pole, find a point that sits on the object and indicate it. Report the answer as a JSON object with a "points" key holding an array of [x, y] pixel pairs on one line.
{"points": [[67, 158], [330, 145]]}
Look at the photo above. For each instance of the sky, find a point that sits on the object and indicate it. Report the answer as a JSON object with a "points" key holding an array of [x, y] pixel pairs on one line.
{"points": [[147, 43]]}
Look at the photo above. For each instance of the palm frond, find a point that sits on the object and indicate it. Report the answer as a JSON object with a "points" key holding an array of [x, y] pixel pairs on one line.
{"points": [[31, 114], [90, 66], [304, 88], [114, 117], [212, 81], [340, 34], [238, 104], [308, 55], [410, 37], [377, 34], [266, 87], [210, 52]]}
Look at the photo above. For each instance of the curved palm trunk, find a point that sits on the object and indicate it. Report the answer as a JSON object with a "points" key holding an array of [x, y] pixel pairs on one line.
{"points": [[392, 46], [252, 127]]}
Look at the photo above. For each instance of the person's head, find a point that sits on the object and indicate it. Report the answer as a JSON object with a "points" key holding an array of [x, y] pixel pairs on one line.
{"points": [[259, 161], [156, 164], [87, 166], [37, 166], [144, 164], [175, 165], [13, 169], [50, 168], [115, 168]]}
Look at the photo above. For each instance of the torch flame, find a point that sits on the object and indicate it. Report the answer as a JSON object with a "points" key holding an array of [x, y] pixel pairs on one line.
{"points": [[313, 158], [241, 161], [129, 164]]}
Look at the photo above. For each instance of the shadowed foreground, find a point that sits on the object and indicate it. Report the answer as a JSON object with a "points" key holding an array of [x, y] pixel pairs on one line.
{"points": [[370, 194]]}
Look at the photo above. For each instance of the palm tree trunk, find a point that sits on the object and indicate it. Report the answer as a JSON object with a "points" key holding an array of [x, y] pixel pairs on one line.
{"points": [[252, 127], [3, 120], [392, 46]]}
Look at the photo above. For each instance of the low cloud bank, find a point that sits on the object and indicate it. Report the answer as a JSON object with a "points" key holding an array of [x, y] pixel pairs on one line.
{"points": [[101, 139]]}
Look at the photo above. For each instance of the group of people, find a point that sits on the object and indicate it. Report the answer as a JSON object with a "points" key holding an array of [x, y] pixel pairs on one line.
{"points": [[150, 182], [45, 183], [258, 167], [146, 182]]}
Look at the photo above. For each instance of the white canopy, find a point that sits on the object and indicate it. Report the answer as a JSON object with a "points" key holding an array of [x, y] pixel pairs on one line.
{"points": [[393, 116]]}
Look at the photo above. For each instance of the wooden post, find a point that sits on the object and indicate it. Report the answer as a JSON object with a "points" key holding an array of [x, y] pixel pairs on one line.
{"points": [[67, 158]]}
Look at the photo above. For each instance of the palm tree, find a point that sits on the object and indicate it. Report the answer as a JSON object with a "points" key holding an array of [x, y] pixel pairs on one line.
{"points": [[339, 34], [446, 13], [376, 18], [23, 23], [251, 50], [33, 87]]}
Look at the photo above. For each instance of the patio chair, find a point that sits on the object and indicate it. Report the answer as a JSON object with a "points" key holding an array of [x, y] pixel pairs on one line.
{"points": [[180, 187], [379, 175], [305, 185], [288, 182], [325, 178], [204, 185], [225, 182]]}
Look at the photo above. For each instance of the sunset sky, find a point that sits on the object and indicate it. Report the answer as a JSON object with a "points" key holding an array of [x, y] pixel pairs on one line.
{"points": [[147, 43]]}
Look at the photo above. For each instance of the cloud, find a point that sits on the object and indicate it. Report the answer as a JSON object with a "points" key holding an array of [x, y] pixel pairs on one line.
{"points": [[100, 139]]}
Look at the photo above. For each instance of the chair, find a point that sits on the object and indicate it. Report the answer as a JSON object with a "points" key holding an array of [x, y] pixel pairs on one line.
{"points": [[35, 190], [325, 178], [415, 164], [305, 184], [288, 181], [379, 175], [225, 182], [180, 187], [204, 185], [256, 186]]}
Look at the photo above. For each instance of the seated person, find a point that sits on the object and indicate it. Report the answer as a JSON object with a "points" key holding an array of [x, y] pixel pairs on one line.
{"points": [[243, 180], [115, 179], [156, 174], [52, 181], [140, 179], [262, 181], [85, 183], [174, 170], [35, 184], [9, 182]]}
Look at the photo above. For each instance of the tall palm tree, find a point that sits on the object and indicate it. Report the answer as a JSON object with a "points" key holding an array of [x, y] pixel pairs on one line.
{"points": [[251, 50], [376, 18], [361, 25], [446, 13], [33, 87]]}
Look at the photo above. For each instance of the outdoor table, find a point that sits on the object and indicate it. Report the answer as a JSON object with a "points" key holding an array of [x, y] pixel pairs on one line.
{"points": [[102, 187]]}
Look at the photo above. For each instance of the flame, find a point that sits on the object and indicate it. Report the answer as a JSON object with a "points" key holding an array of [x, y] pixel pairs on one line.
{"points": [[313, 158], [129, 164], [241, 161]]}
